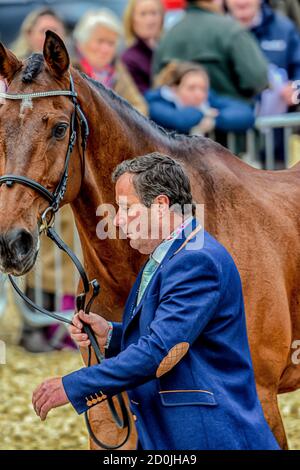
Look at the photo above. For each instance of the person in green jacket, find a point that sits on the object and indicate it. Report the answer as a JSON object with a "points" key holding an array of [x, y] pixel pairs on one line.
{"points": [[231, 56]]}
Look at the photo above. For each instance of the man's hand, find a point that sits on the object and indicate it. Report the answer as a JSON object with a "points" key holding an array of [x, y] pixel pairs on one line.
{"points": [[97, 323], [49, 394]]}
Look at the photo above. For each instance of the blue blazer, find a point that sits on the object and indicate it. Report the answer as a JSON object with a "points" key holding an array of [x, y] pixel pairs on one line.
{"points": [[183, 356]]}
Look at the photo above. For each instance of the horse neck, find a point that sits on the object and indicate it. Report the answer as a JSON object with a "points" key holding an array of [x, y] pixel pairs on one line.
{"points": [[118, 133], [114, 136]]}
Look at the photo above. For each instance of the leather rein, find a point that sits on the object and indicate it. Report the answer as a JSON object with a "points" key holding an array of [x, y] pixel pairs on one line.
{"points": [[89, 287]]}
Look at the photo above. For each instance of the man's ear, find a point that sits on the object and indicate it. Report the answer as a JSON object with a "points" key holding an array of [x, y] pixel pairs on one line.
{"points": [[9, 64], [56, 54]]}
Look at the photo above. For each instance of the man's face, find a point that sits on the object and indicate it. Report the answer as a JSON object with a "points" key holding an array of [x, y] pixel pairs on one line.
{"points": [[243, 10], [133, 218]]}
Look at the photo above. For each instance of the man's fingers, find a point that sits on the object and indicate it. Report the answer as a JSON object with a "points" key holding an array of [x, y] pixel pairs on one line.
{"points": [[37, 394], [74, 331], [81, 337], [85, 317], [76, 321], [39, 400], [50, 394], [40, 403], [81, 342], [45, 410]]}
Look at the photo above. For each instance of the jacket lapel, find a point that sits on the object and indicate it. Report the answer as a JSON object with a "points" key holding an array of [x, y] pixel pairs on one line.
{"points": [[132, 311]]}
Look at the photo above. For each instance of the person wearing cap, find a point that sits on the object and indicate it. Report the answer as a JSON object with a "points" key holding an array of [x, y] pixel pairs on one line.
{"points": [[97, 37]]}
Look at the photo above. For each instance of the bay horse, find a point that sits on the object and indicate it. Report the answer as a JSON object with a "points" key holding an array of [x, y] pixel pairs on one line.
{"points": [[253, 213]]}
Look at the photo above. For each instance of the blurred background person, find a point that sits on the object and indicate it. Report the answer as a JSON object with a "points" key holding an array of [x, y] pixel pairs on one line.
{"points": [[143, 23], [183, 102], [32, 33], [97, 37], [279, 40], [175, 10], [290, 8], [231, 57]]}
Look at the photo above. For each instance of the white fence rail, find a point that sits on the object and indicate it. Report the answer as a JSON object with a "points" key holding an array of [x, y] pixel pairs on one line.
{"points": [[263, 138]]}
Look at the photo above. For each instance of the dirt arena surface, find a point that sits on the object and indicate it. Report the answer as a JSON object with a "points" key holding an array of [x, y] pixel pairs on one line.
{"points": [[20, 428]]}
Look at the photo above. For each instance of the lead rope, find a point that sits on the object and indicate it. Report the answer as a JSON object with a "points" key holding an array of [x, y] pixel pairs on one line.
{"points": [[123, 422]]}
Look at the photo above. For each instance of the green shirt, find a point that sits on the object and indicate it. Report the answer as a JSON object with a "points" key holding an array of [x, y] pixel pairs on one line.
{"points": [[230, 54]]}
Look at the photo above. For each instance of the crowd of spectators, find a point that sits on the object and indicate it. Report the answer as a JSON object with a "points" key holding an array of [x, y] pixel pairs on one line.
{"points": [[237, 59]]}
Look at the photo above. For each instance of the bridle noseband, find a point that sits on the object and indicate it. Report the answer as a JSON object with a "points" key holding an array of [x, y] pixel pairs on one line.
{"points": [[55, 199]]}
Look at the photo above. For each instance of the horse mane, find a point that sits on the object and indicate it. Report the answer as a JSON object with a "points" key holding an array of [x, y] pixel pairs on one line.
{"points": [[35, 64], [123, 105], [33, 67]]}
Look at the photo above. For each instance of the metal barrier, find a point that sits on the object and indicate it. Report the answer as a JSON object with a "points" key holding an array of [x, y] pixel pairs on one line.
{"points": [[262, 139]]}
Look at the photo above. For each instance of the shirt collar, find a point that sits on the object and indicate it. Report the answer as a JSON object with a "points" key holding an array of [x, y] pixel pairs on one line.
{"points": [[161, 250]]}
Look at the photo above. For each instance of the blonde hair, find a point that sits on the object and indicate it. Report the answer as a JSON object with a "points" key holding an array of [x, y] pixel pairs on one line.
{"points": [[92, 18], [130, 36], [173, 73], [21, 46]]}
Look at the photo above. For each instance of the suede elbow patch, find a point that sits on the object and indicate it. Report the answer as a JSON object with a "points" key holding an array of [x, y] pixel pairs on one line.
{"points": [[173, 357]]}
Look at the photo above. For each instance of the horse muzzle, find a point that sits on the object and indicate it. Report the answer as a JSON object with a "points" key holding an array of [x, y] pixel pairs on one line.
{"points": [[18, 251]]}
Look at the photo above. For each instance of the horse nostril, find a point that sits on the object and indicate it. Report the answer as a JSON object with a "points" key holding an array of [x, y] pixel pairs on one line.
{"points": [[19, 242]]}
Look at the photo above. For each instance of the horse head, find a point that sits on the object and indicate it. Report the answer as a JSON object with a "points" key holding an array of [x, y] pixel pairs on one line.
{"points": [[35, 138]]}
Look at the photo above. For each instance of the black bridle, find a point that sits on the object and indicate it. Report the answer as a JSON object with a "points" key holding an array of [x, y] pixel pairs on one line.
{"points": [[55, 199]]}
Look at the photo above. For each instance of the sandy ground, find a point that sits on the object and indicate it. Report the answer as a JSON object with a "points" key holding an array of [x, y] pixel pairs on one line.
{"points": [[63, 429]]}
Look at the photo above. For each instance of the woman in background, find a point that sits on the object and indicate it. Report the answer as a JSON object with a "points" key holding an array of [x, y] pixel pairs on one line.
{"points": [[32, 34], [97, 37], [143, 23]]}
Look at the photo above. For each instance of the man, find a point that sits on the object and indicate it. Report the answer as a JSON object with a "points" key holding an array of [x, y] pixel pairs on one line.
{"points": [[233, 61], [181, 352]]}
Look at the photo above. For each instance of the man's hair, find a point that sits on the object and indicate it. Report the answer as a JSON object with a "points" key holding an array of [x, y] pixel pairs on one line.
{"points": [[155, 174]]}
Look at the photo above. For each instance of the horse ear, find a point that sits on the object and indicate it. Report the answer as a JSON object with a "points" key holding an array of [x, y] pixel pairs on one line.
{"points": [[56, 54], [9, 64]]}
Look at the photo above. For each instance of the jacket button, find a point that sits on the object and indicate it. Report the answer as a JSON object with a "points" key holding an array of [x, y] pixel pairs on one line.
{"points": [[134, 417]]}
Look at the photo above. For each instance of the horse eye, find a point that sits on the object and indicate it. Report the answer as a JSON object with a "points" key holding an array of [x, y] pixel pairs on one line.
{"points": [[59, 131]]}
